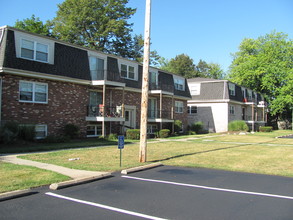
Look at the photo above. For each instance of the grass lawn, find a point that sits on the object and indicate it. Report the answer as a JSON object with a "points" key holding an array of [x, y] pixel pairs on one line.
{"points": [[257, 153], [15, 177]]}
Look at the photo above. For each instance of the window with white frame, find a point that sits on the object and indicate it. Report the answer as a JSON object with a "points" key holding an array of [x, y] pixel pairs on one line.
{"points": [[127, 71], [178, 106], [96, 68], [33, 92], [192, 109], [34, 51], [179, 83], [249, 94], [41, 131], [232, 89], [232, 110], [151, 129], [94, 130], [195, 89]]}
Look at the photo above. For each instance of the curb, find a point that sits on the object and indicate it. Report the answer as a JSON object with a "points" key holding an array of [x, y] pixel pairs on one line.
{"points": [[15, 194], [56, 186], [135, 169]]}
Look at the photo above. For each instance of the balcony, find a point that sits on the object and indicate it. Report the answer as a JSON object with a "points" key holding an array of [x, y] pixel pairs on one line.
{"points": [[104, 113], [248, 118], [167, 88], [154, 116], [105, 77]]}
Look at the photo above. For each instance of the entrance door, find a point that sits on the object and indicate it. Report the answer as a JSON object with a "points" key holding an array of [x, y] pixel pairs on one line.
{"points": [[130, 117], [95, 100]]}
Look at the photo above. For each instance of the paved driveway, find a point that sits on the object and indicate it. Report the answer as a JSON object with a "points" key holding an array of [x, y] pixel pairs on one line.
{"points": [[162, 193]]}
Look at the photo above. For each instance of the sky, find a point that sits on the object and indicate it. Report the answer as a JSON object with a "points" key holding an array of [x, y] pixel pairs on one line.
{"points": [[210, 30]]}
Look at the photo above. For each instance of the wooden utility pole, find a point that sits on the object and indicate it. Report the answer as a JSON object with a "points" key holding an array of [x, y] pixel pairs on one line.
{"points": [[145, 85]]}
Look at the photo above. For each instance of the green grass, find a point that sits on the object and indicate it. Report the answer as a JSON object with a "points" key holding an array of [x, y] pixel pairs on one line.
{"points": [[256, 153], [15, 177]]}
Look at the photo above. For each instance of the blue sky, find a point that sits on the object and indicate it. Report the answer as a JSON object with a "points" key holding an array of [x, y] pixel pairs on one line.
{"points": [[203, 29]]}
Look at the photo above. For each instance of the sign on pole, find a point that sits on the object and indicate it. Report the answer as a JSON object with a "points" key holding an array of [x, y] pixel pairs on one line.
{"points": [[121, 146]]}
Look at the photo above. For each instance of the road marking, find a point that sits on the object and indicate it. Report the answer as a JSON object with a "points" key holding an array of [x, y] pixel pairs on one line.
{"points": [[210, 188], [105, 207]]}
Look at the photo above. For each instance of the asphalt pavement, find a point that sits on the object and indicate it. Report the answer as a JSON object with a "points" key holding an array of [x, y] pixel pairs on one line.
{"points": [[163, 192]]}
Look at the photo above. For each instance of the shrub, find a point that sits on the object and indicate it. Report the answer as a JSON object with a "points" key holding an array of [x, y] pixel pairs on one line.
{"points": [[112, 137], [191, 132], [71, 130], [9, 132], [56, 139], [27, 132], [266, 129], [197, 127], [164, 133], [177, 126], [133, 134], [237, 125]]}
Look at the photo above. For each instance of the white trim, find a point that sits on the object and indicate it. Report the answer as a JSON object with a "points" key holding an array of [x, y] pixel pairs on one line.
{"points": [[44, 76], [34, 83], [45, 130], [23, 36]]}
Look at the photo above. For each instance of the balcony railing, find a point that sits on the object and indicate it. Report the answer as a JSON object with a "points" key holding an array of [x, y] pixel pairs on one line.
{"points": [[152, 114], [106, 75], [249, 118], [104, 111], [161, 86]]}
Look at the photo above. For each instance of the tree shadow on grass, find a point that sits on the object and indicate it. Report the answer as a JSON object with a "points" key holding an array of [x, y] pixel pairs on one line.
{"points": [[201, 152]]}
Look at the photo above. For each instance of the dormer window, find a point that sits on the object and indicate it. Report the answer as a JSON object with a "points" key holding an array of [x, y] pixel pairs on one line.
{"points": [[34, 51], [232, 89], [179, 83]]}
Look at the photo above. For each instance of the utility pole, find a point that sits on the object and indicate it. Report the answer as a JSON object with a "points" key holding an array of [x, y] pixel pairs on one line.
{"points": [[145, 85]]}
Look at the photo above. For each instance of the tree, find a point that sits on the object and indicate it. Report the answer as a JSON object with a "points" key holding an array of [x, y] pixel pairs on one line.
{"points": [[33, 25], [97, 24], [265, 64], [137, 54], [182, 65]]}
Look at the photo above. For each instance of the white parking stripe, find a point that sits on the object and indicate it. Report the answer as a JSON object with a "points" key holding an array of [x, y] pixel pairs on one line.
{"points": [[210, 188], [105, 207]]}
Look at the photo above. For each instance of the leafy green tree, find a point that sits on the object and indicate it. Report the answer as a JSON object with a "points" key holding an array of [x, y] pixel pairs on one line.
{"points": [[265, 64], [182, 65], [138, 45], [97, 24], [34, 25]]}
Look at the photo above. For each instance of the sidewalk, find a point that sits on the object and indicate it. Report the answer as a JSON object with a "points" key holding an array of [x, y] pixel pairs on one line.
{"points": [[72, 173]]}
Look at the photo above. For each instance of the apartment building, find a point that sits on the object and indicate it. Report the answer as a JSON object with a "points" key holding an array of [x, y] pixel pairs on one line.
{"points": [[218, 102], [49, 83]]}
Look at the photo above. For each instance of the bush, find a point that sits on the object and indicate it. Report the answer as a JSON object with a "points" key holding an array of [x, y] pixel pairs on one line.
{"points": [[56, 139], [133, 134], [177, 126], [237, 125], [71, 130], [164, 133], [266, 129], [112, 137], [27, 132], [197, 127], [9, 132]]}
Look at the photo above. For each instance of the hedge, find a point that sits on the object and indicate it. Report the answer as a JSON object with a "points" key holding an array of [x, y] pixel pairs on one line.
{"points": [[266, 129], [133, 134]]}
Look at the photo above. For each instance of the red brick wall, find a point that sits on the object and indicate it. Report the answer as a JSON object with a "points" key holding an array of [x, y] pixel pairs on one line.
{"points": [[66, 104]]}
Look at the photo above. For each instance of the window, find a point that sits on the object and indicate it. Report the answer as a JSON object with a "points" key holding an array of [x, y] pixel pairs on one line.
{"points": [[192, 109], [179, 84], [249, 95], [33, 92], [151, 129], [96, 68], [41, 131], [232, 89], [34, 51], [178, 107], [153, 79], [232, 110], [243, 92], [195, 89], [127, 71], [94, 130]]}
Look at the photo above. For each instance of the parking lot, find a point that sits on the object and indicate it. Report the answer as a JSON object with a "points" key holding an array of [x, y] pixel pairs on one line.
{"points": [[162, 193]]}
